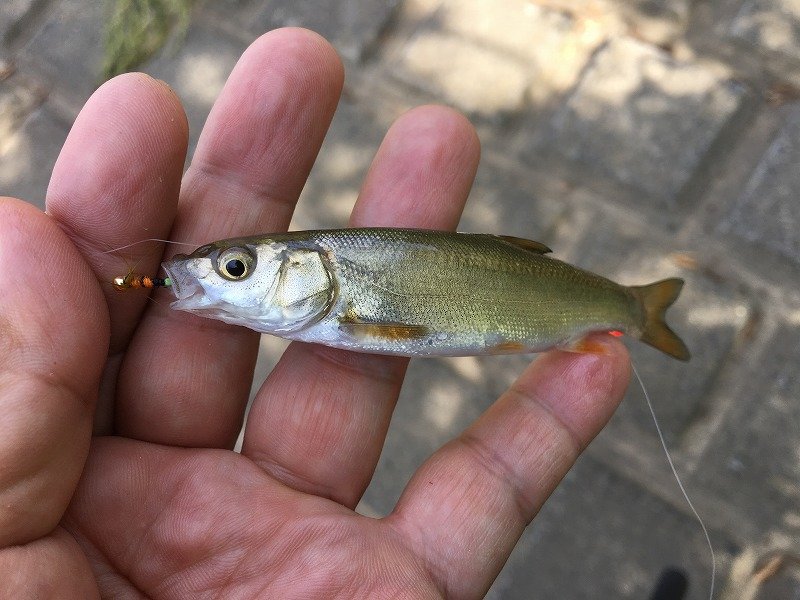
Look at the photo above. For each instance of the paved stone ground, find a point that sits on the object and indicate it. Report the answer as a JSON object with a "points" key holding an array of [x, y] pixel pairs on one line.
{"points": [[637, 138]]}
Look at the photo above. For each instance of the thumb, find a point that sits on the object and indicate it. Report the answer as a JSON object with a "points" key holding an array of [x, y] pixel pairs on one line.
{"points": [[53, 343]]}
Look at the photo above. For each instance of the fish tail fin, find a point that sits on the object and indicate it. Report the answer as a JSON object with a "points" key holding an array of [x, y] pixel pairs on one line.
{"points": [[655, 299]]}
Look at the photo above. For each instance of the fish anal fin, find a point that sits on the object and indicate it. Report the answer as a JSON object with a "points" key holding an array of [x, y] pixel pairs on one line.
{"points": [[508, 347], [585, 345], [383, 331], [525, 244]]}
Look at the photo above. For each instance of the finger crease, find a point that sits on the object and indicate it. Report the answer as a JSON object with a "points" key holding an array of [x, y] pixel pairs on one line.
{"points": [[436, 576], [527, 398], [493, 463], [292, 479], [88, 247], [63, 387], [267, 193]]}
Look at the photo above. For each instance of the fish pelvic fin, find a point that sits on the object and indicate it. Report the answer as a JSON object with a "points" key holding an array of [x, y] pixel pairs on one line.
{"points": [[585, 345], [655, 299]]}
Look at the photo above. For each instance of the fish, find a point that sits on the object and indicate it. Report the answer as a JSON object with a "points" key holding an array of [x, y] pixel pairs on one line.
{"points": [[413, 292]]}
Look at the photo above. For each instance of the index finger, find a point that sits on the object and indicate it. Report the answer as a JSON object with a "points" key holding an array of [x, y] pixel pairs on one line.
{"points": [[116, 182]]}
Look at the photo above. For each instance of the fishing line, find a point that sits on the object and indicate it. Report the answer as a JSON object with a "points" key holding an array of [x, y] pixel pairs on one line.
{"points": [[151, 240], [680, 483], [134, 280]]}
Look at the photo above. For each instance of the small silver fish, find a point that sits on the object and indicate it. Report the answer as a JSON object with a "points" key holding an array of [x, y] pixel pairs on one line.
{"points": [[415, 293]]}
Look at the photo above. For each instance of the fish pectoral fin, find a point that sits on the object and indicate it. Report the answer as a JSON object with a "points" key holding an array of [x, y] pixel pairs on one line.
{"points": [[383, 331], [525, 244]]}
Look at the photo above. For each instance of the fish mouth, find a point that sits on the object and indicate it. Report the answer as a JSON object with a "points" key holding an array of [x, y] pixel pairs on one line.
{"points": [[188, 292]]}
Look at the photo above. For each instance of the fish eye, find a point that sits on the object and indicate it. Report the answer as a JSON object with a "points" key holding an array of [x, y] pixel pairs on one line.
{"points": [[235, 264], [235, 268]]}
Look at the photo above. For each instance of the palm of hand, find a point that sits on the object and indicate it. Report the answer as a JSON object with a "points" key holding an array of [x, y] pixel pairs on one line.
{"points": [[162, 506]]}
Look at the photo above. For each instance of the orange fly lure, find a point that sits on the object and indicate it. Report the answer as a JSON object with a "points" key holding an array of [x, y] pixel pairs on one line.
{"points": [[135, 281]]}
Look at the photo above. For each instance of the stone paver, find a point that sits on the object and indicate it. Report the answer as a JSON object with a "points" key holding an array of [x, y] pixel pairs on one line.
{"points": [[332, 188], [12, 13], [18, 98], [31, 137], [784, 585], [709, 316], [644, 118], [460, 72], [35, 148], [657, 21], [757, 446], [66, 49], [353, 26], [767, 212], [494, 63], [770, 24], [515, 200], [609, 128], [636, 537], [197, 73]]}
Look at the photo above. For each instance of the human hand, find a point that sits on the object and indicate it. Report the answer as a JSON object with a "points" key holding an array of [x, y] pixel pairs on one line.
{"points": [[157, 503]]}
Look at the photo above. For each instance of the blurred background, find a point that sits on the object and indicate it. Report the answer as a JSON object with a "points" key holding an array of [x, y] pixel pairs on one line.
{"points": [[637, 138]]}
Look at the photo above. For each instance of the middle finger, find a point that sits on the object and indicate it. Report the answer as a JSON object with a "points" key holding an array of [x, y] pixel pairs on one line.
{"points": [[319, 422]]}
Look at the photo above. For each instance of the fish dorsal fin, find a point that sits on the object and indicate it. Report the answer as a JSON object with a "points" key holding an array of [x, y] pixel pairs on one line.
{"points": [[529, 245]]}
